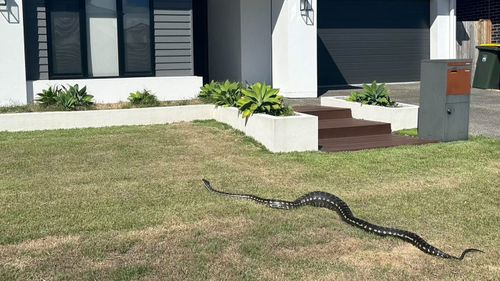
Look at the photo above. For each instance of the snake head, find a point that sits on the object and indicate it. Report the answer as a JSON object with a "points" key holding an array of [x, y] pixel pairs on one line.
{"points": [[207, 184]]}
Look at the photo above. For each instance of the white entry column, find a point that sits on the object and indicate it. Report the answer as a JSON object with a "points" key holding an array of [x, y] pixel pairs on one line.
{"points": [[443, 29], [294, 49], [12, 66]]}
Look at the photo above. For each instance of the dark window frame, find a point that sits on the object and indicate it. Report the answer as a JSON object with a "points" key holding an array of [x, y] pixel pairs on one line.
{"points": [[84, 45]]}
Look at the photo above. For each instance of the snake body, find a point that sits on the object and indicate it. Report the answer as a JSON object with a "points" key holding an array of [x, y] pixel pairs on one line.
{"points": [[329, 201]]}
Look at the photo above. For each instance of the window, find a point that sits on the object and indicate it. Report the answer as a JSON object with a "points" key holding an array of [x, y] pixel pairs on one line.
{"points": [[100, 38], [136, 36], [66, 42]]}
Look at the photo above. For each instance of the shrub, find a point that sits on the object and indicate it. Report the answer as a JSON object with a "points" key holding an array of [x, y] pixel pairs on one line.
{"points": [[67, 98], [207, 92], [221, 94], [261, 98], [227, 94], [143, 99], [48, 97], [374, 94]]}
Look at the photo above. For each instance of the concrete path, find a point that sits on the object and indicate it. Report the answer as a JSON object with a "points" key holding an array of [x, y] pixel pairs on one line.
{"points": [[485, 106]]}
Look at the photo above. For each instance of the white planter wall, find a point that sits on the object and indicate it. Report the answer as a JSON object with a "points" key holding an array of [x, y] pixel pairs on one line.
{"points": [[278, 134], [403, 117], [103, 118], [112, 90]]}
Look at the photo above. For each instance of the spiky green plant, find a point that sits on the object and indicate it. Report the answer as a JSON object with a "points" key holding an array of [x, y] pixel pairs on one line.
{"points": [[227, 94], [81, 97], [207, 92], [374, 94], [65, 98], [143, 99], [48, 97], [261, 98]]}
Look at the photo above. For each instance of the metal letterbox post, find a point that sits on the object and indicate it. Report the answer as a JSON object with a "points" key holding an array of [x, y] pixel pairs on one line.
{"points": [[445, 89]]}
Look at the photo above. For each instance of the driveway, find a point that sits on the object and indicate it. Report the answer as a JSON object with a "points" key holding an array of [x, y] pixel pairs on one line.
{"points": [[485, 106]]}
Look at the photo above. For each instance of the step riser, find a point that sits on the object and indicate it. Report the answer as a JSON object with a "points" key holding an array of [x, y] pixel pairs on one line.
{"points": [[333, 114], [368, 142], [354, 131]]}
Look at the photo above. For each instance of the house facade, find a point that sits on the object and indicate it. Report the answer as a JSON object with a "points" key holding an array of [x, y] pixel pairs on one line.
{"points": [[303, 47]]}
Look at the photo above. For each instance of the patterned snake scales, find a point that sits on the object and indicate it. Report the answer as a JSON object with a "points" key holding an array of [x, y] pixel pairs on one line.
{"points": [[332, 202]]}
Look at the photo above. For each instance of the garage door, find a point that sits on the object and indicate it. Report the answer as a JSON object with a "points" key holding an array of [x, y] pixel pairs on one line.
{"points": [[365, 40]]}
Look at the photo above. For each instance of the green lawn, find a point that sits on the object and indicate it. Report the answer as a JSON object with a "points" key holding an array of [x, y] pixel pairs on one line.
{"points": [[128, 204]]}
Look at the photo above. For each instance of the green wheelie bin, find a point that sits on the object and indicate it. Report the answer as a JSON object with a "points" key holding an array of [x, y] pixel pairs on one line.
{"points": [[488, 67]]}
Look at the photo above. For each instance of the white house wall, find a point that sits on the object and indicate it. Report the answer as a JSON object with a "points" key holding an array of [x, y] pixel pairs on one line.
{"points": [[294, 49], [443, 29], [12, 65]]}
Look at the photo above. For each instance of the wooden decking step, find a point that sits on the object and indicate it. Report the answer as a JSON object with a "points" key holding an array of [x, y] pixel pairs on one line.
{"points": [[349, 127], [324, 112], [338, 131], [368, 142]]}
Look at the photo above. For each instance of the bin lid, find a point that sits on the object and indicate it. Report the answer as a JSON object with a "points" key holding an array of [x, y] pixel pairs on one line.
{"points": [[489, 47]]}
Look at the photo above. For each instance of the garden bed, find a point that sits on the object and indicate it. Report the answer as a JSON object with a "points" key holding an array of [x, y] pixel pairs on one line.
{"points": [[402, 116], [278, 134]]}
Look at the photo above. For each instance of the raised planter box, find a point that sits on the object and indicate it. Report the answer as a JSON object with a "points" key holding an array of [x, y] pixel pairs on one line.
{"points": [[37, 121], [405, 116], [278, 134]]}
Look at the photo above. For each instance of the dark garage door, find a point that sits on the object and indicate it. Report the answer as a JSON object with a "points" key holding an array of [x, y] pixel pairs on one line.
{"points": [[365, 40]]}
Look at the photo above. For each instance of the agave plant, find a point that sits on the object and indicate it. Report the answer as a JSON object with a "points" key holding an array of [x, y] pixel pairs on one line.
{"points": [[261, 98], [79, 95], [227, 94], [143, 99], [374, 94], [66, 101], [48, 97], [207, 91]]}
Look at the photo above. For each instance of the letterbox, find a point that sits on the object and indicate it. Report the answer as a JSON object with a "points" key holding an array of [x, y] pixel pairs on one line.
{"points": [[445, 90]]}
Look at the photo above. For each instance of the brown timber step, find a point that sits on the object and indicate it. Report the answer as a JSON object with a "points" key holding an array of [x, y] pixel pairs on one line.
{"points": [[368, 142], [338, 131], [324, 112], [348, 127]]}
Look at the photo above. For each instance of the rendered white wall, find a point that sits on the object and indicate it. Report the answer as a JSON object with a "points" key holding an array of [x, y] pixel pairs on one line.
{"points": [[111, 90], [12, 65], [443, 29], [294, 49]]}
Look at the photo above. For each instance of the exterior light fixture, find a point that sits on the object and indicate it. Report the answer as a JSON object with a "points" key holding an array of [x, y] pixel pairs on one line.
{"points": [[306, 5]]}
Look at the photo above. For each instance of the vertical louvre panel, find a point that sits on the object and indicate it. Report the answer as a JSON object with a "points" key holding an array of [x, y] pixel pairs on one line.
{"points": [[173, 35], [36, 44]]}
